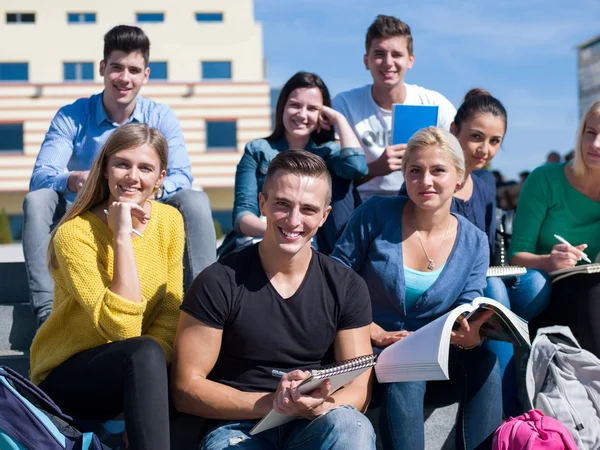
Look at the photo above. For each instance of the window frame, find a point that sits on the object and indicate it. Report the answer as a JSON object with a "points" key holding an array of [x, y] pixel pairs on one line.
{"points": [[149, 13], [19, 18], [80, 15], [224, 148], [20, 151], [78, 68], [166, 63], [219, 17], [16, 80], [203, 71]]}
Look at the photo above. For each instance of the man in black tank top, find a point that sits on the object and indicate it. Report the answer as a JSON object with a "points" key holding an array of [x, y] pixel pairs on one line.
{"points": [[277, 305]]}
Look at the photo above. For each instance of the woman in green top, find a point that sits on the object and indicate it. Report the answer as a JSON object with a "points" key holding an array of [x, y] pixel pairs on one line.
{"points": [[562, 199]]}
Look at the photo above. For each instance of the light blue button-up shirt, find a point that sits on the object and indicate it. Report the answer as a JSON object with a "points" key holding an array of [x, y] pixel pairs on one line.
{"points": [[79, 130]]}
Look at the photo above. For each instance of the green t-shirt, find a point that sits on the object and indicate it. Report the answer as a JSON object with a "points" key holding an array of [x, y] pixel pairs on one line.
{"points": [[549, 205]]}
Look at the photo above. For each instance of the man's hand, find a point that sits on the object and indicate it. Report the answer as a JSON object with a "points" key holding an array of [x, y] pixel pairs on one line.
{"points": [[389, 161], [290, 401], [467, 336], [76, 180]]}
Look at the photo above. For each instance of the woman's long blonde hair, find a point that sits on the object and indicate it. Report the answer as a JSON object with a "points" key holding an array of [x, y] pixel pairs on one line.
{"points": [[580, 169], [95, 189]]}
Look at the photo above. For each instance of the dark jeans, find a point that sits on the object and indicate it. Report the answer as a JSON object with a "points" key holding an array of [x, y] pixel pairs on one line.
{"points": [[128, 376], [474, 381], [575, 302]]}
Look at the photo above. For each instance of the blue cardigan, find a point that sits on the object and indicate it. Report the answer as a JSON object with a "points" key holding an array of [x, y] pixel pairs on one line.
{"points": [[372, 245]]}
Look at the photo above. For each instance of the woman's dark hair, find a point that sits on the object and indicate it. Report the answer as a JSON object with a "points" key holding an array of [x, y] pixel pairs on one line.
{"points": [[479, 101], [301, 80]]}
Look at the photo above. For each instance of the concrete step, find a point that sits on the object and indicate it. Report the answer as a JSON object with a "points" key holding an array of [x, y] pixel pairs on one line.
{"points": [[16, 360], [17, 326], [13, 283]]}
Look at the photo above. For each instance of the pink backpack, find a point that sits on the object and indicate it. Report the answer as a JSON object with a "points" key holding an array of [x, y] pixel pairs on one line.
{"points": [[533, 431]]}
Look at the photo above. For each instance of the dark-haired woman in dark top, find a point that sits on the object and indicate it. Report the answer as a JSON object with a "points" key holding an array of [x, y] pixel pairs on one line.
{"points": [[304, 120]]}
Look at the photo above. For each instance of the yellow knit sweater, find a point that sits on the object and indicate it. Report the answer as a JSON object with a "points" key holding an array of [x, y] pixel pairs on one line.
{"points": [[86, 314]]}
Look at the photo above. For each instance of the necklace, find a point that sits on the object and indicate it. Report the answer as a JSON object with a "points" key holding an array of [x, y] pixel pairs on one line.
{"points": [[431, 264]]}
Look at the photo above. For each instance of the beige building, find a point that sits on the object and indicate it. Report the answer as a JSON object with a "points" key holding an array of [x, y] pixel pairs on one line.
{"points": [[206, 63]]}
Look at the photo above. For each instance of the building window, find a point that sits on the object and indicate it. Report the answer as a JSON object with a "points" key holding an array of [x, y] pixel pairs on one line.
{"points": [[81, 17], [150, 17], [216, 70], [158, 70], [11, 137], [14, 71], [209, 17], [78, 71], [20, 17], [221, 135]]}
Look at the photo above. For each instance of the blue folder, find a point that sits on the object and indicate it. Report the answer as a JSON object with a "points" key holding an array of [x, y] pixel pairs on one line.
{"points": [[408, 119]]}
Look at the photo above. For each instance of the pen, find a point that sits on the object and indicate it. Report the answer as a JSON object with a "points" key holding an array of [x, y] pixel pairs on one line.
{"points": [[564, 241], [133, 229], [277, 373]]}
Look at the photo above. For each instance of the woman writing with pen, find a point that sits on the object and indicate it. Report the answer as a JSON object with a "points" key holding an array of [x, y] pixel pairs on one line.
{"points": [[560, 204], [117, 262]]}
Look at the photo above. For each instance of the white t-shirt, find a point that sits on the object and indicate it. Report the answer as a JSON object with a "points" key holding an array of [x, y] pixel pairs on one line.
{"points": [[373, 126]]}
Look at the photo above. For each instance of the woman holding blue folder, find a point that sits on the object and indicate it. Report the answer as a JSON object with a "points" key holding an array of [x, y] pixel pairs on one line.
{"points": [[420, 261]]}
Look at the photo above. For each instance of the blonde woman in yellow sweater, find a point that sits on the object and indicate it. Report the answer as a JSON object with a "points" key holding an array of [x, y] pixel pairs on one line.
{"points": [[116, 258]]}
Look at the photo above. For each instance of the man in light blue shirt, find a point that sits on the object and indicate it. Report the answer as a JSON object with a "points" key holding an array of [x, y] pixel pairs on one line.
{"points": [[76, 135]]}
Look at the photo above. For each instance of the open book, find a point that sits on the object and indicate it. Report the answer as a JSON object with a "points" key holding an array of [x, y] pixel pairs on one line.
{"points": [[423, 355], [584, 268], [339, 374], [408, 119]]}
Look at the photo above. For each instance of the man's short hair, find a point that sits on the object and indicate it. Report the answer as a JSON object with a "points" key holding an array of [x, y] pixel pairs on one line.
{"points": [[127, 39], [300, 163], [388, 27]]}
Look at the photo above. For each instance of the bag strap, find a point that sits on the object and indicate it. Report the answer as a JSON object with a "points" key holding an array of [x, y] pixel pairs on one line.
{"points": [[22, 384]]}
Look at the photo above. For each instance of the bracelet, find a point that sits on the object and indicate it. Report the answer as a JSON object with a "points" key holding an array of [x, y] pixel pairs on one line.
{"points": [[481, 339]]}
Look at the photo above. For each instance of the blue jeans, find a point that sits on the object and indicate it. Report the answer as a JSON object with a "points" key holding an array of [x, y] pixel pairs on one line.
{"points": [[43, 209], [530, 294], [504, 351], [474, 381], [342, 428]]}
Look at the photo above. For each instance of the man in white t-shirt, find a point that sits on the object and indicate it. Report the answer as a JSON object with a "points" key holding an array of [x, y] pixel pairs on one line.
{"points": [[389, 55]]}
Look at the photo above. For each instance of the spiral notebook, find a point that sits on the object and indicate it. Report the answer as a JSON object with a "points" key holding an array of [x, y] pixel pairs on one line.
{"points": [[584, 268], [505, 271], [340, 374]]}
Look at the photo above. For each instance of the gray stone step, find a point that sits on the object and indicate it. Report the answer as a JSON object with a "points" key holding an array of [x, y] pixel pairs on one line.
{"points": [[16, 360], [13, 283], [17, 326]]}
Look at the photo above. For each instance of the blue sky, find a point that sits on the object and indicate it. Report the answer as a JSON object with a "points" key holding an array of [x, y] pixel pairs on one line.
{"points": [[522, 51]]}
